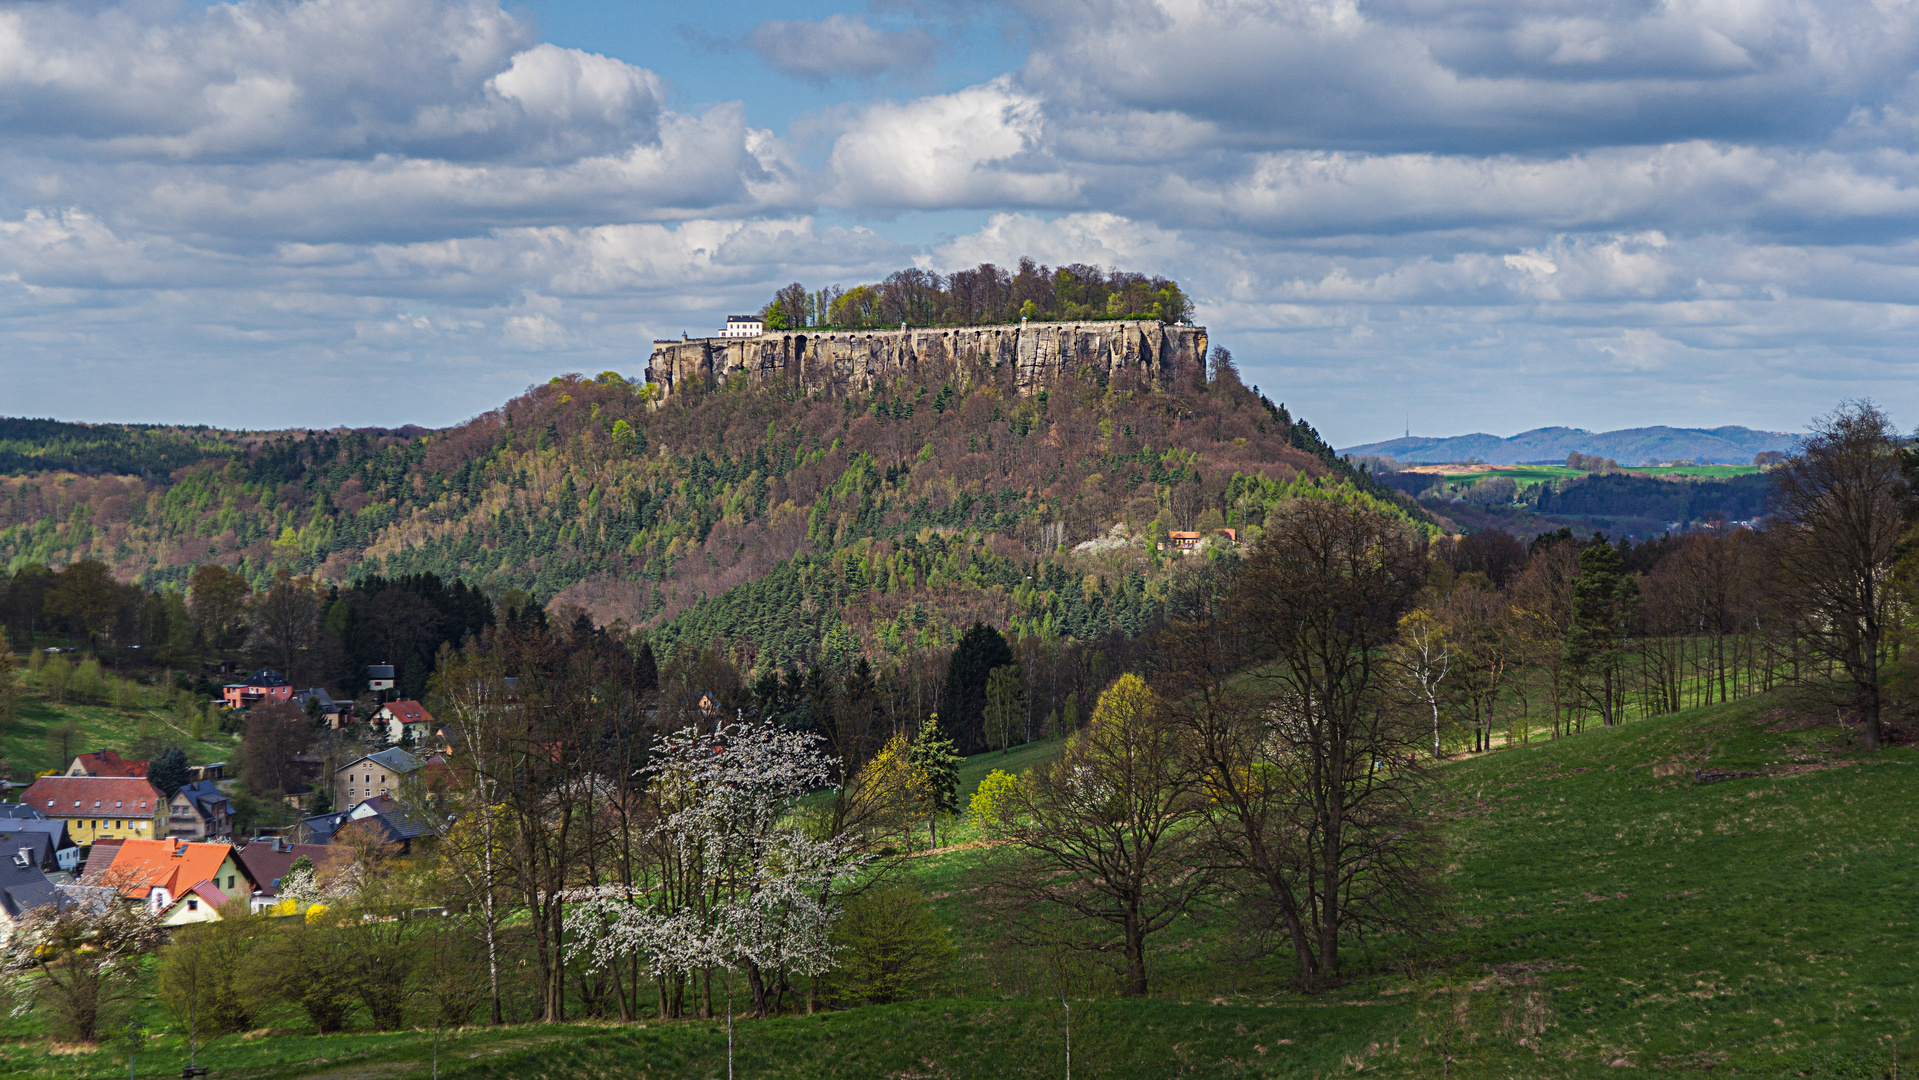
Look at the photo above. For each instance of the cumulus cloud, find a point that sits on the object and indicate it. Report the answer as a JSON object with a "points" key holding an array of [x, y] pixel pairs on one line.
{"points": [[1593, 213], [838, 47], [1482, 75], [981, 146]]}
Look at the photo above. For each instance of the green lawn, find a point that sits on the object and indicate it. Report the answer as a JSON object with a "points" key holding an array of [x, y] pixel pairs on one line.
{"points": [[25, 749], [1602, 917]]}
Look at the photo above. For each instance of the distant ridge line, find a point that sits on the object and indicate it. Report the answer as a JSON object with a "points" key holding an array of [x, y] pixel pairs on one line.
{"points": [[1729, 445]]}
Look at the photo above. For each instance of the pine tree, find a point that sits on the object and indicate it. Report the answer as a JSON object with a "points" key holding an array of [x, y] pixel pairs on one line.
{"points": [[1603, 600], [936, 773]]}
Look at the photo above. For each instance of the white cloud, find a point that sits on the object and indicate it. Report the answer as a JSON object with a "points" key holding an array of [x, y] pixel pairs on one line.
{"points": [[981, 146]]}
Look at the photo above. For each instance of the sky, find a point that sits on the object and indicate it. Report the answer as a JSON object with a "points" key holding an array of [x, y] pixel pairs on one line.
{"points": [[1448, 215]]}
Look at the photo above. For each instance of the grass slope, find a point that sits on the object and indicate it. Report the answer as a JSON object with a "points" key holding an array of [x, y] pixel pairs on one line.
{"points": [[1609, 912], [24, 746]]}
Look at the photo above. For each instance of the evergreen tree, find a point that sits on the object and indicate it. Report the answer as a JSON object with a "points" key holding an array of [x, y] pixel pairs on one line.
{"points": [[1603, 600], [646, 670], [168, 770], [963, 700], [935, 767]]}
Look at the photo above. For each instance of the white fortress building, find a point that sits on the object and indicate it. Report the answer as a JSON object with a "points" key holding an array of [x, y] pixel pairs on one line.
{"points": [[741, 326]]}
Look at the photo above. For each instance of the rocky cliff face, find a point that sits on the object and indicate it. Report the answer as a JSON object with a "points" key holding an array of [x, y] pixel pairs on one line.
{"points": [[843, 361]]}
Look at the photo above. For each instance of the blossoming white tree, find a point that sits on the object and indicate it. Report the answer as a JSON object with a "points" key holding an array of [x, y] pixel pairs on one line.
{"points": [[764, 894]]}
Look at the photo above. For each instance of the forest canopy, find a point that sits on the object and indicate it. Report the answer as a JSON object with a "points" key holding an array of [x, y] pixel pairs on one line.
{"points": [[983, 295]]}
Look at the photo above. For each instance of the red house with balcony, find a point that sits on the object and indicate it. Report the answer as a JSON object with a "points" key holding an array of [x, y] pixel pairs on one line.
{"points": [[265, 687]]}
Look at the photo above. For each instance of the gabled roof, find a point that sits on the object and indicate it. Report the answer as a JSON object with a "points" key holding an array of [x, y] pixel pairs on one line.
{"points": [[396, 821], [23, 888], [266, 676], [175, 865], [321, 827], [54, 830], [14, 811], [89, 796], [392, 758], [204, 796], [408, 712], [267, 861], [109, 763], [326, 700]]}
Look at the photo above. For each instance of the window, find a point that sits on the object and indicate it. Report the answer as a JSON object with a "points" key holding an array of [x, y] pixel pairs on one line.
{"points": [[119, 825], [193, 903], [229, 881]]}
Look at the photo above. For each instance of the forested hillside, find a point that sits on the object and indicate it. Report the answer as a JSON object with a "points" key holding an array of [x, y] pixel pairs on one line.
{"points": [[814, 528]]}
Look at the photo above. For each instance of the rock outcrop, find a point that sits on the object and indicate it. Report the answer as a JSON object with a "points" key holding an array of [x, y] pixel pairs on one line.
{"points": [[843, 361]]}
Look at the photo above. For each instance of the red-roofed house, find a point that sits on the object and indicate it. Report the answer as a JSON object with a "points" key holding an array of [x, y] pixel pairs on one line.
{"points": [[408, 718], [106, 763], [99, 807], [180, 881]]}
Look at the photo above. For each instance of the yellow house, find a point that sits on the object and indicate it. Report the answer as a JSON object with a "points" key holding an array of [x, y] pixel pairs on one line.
{"points": [[101, 807]]}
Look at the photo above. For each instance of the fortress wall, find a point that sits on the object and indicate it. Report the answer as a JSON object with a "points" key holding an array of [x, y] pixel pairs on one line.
{"points": [[854, 361]]}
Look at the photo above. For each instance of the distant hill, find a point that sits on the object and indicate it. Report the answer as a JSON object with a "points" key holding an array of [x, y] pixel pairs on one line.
{"points": [[807, 527], [1628, 446]]}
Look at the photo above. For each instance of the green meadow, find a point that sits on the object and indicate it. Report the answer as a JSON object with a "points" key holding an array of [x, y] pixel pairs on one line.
{"points": [[1608, 910], [1528, 475]]}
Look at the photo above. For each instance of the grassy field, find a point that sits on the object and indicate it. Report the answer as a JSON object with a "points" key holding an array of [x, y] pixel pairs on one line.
{"points": [[1528, 475], [1607, 912], [24, 745]]}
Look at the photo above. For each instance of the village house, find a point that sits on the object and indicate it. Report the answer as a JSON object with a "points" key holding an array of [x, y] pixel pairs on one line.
{"points": [[374, 774], [23, 887], [179, 881], [1189, 541], [101, 807], [379, 678], [200, 811], [333, 711], [106, 763], [266, 862], [47, 843], [406, 721], [264, 687]]}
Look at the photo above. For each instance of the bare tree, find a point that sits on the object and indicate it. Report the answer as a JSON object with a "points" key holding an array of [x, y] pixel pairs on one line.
{"points": [[1836, 523], [1314, 780]]}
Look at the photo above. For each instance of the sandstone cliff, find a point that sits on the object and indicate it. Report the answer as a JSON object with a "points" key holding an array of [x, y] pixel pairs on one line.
{"points": [[841, 361]]}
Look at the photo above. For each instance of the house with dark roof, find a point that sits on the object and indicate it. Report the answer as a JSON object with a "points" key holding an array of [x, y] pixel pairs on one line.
{"points": [[106, 763], [333, 711], [200, 811], [398, 823], [23, 887], [14, 811], [379, 677], [264, 687], [101, 807], [374, 774], [46, 841], [318, 830]]}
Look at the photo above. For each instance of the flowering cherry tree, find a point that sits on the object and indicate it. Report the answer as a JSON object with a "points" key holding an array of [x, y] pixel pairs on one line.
{"points": [[753, 891]]}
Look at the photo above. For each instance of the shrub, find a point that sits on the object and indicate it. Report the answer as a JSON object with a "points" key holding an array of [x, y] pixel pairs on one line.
{"points": [[894, 947]]}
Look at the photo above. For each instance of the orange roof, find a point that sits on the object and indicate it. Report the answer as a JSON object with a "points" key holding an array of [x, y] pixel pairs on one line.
{"points": [[93, 796], [174, 865], [1183, 535]]}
